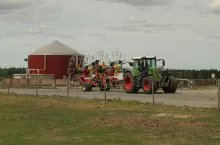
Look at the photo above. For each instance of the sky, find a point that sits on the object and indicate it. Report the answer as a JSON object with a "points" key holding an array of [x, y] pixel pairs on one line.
{"points": [[186, 33]]}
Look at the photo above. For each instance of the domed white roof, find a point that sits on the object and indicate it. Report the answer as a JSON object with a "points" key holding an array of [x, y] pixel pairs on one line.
{"points": [[56, 48]]}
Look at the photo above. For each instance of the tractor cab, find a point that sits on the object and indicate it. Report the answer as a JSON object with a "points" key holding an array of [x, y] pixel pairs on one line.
{"points": [[146, 61], [146, 65]]}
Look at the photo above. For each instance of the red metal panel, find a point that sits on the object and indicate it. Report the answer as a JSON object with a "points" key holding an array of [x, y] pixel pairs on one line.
{"points": [[36, 62], [55, 64]]}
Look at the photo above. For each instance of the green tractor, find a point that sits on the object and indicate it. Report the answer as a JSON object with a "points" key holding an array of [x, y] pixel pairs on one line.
{"points": [[146, 75]]}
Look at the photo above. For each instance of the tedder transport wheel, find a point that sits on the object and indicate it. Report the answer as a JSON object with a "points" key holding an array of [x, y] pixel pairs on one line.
{"points": [[108, 86], [172, 85], [130, 83], [147, 85], [86, 87]]}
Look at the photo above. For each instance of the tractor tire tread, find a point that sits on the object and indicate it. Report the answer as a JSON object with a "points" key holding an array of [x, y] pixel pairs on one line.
{"points": [[134, 88], [172, 85], [151, 80]]}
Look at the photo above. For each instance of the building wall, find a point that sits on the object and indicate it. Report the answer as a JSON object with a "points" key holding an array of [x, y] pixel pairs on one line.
{"points": [[55, 64]]}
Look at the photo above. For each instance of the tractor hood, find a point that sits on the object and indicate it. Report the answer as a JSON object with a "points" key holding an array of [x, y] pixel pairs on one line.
{"points": [[155, 72]]}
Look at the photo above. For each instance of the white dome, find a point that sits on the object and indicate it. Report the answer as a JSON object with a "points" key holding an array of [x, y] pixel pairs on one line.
{"points": [[56, 48]]}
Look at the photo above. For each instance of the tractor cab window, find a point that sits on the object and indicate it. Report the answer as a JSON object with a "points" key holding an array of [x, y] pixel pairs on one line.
{"points": [[136, 63], [151, 62]]}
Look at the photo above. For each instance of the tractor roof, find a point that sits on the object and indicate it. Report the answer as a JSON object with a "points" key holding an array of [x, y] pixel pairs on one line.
{"points": [[144, 57]]}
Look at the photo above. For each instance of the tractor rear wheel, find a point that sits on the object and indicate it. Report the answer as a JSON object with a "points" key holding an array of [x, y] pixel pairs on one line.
{"points": [[130, 83], [172, 85], [149, 84], [86, 87]]}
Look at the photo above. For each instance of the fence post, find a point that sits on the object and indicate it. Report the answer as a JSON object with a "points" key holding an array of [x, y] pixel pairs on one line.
{"points": [[153, 91], [54, 83], [188, 83], [36, 89], [27, 82], [105, 87], [40, 83], [11, 83], [8, 89], [219, 94], [67, 87]]}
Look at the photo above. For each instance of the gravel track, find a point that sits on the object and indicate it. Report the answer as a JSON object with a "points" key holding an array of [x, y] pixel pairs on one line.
{"points": [[193, 98]]}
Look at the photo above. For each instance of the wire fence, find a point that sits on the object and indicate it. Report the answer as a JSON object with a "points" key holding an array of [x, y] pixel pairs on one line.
{"points": [[56, 83], [194, 83]]}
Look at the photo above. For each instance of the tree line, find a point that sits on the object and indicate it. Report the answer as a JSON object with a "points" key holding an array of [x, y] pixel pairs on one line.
{"points": [[8, 72], [178, 73], [195, 74]]}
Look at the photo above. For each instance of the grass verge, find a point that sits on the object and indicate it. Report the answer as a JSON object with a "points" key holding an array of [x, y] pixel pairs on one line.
{"points": [[31, 120]]}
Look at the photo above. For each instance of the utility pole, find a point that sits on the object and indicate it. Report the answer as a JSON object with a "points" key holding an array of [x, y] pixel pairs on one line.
{"points": [[116, 55], [218, 95], [113, 55], [106, 58], [102, 55]]}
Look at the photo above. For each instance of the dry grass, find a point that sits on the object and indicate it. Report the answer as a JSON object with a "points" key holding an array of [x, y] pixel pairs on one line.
{"points": [[62, 102], [58, 120], [173, 115], [144, 121]]}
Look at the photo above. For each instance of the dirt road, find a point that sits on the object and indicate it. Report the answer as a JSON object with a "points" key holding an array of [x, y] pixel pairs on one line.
{"points": [[193, 98]]}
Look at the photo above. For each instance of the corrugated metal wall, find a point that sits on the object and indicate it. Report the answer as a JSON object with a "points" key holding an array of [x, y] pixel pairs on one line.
{"points": [[55, 64]]}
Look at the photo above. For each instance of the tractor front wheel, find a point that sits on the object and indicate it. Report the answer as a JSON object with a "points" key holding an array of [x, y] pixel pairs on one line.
{"points": [[130, 83], [172, 85], [149, 84]]}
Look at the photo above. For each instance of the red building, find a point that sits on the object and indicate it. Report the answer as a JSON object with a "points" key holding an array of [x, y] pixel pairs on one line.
{"points": [[52, 59]]}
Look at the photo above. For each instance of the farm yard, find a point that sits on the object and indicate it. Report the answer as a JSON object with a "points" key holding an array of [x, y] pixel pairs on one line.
{"points": [[109, 72], [30, 120]]}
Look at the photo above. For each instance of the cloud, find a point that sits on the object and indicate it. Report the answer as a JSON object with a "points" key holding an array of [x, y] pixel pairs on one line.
{"points": [[30, 31], [104, 39], [60, 35], [100, 36], [124, 27], [39, 30], [142, 25], [215, 6], [140, 2], [30, 11], [149, 24], [26, 44], [213, 36], [95, 34], [10, 6], [13, 4], [34, 31]]}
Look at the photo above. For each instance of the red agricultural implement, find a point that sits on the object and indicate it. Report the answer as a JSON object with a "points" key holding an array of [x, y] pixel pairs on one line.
{"points": [[97, 78]]}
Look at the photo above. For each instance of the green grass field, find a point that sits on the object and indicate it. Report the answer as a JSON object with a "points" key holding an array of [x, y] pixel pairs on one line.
{"points": [[30, 120]]}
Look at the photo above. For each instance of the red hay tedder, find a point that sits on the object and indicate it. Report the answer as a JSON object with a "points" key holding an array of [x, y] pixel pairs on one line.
{"points": [[94, 75]]}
